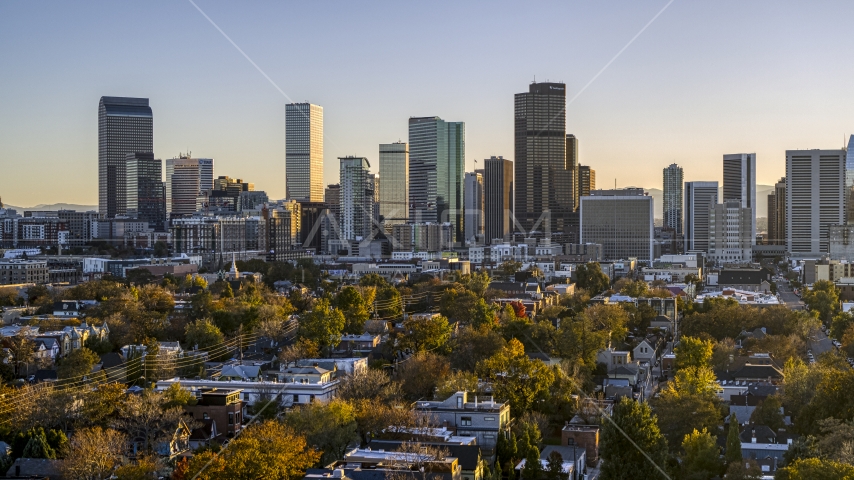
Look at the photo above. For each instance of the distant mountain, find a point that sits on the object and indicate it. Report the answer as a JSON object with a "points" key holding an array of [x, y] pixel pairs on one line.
{"points": [[54, 207]]}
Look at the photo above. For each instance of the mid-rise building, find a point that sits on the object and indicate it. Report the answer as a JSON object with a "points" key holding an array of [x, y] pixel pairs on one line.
{"points": [[186, 179], [815, 198], [146, 195], [16, 271], [422, 237], [474, 207], [78, 224], [740, 182], [586, 180], [394, 172], [673, 178], [125, 125], [357, 198], [304, 151], [437, 162], [700, 197], [498, 199], [544, 198], [215, 238], [730, 233], [621, 221]]}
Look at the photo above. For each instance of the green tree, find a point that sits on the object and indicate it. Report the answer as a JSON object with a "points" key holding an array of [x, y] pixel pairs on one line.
{"points": [[421, 373], [533, 469], [177, 396], [424, 334], [680, 412], [693, 353], [322, 324], [733, 442], [516, 377], [768, 413], [203, 334], [389, 303], [329, 427], [822, 299], [459, 381], [815, 468], [352, 304], [637, 288], [472, 345], [702, 456], [554, 467], [77, 364], [37, 447], [632, 445], [591, 278]]}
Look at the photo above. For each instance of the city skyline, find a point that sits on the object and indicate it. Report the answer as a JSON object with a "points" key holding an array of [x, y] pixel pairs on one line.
{"points": [[648, 117]]}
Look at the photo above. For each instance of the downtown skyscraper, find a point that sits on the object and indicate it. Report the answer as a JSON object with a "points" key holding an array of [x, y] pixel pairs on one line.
{"points": [[700, 198], [146, 195], [304, 151], [673, 179], [498, 198], [544, 180], [357, 195], [394, 174], [125, 125], [186, 179], [437, 161], [740, 183], [815, 199]]}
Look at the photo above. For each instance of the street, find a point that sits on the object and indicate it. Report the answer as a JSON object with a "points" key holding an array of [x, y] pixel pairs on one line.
{"points": [[788, 296], [819, 343]]}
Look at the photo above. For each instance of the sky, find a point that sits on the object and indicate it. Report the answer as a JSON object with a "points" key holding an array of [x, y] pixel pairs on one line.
{"points": [[703, 79]]}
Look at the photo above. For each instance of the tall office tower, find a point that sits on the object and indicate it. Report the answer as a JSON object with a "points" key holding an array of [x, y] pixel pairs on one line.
{"points": [[730, 233], [815, 198], [740, 182], [849, 182], [543, 181], [474, 207], [304, 151], [498, 198], [772, 234], [586, 181], [572, 165], [437, 162], [779, 219], [146, 196], [125, 125], [186, 178], [356, 198], [394, 172], [700, 197], [673, 198], [619, 220]]}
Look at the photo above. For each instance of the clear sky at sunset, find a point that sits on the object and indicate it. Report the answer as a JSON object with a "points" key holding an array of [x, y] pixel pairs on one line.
{"points": [[704, 79]]}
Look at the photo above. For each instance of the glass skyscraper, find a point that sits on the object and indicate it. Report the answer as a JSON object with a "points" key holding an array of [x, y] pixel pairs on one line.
{"points": [[125, 125], [673, 179], [394, 174], [304, 151], [146, 198], [436, 172]]}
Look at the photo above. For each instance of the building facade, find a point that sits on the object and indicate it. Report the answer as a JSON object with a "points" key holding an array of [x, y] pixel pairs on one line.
{"points": [[125, 125], [186, 179], [572, 165], [544, 198], [357, 198], [474, 207], [779, 218], [730, 228], [619, 220], [146, 193], [304, 151], [586, 181], [740, 182], [849, 182], [700, 197], [673, 179], [815, 198], [394, 173], [498, 195], [436, 172]]}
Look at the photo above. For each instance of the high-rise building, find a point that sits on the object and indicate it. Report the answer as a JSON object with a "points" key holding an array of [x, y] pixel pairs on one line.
{"points": [[186, 179], [544, 179], [619, 220], [849, 182], [730, 234], [356, 198], [394, 172], [815, 198], [586, 180], [572, 165], [474, 207], [673, 177], [740, 182], [125, 125], [436, 172], [146, 195], [498, 198], [779, 218], [700, 198], [772, 235], [304, 151]]}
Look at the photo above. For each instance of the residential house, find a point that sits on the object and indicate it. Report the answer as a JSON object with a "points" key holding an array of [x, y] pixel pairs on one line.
{"points": [[760, 442], [288, 394], [584, 436], [362, 344], [176, 444], [758, 367], [646, 350], [223, 407], [750, 279], [483, 418], [368, 464], [245, 373]]}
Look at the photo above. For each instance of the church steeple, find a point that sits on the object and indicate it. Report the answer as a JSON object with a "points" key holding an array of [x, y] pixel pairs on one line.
{"points": [[233, 273]]}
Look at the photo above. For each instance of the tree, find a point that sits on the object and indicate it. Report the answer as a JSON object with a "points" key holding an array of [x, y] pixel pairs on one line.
{"points": [[20, 348], [635, 289], [702, 456], [612, 319], [631, 445], [421, 373], [554, 467], [329, 427], [822, 299], [533, 469], [424, 334], [591, 278], [472, 345], [680, 412], [352, 304], [368, 384], [93, 453], [37, 447], [267, 450], [768, 413], [733, 442], [322, 324], [693, 353], [814, 468], [516, 377], [203, 334], [145, 468], [144, 419], [177, 396], [77, 364], [508, 268], [302, 349], [389, 303], [459, 381]]}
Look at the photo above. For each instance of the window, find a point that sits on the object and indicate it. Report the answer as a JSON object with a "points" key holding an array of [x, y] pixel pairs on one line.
{"points": [[231, 418], [489, 419], [206, 416], [465, 421], [488, 436]]}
